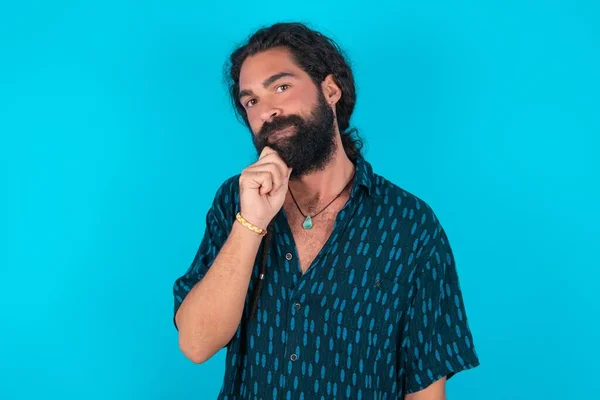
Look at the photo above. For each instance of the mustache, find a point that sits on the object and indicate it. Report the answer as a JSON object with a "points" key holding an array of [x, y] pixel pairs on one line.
{"points": [[269, 128]]}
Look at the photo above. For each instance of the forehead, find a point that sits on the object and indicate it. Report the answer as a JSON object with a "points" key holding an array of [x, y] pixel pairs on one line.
{"points": [[255, 69]]}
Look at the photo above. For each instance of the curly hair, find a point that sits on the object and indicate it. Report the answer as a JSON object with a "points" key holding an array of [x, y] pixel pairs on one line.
{"points": [[317, 55]]}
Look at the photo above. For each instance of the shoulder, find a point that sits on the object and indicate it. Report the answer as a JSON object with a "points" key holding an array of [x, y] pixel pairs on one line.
{"points": [[227, 199], [414, 223], [404, 204], [228, 190]]}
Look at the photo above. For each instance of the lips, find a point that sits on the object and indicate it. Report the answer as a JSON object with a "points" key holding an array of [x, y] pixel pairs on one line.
{"points": [[281, 133]]}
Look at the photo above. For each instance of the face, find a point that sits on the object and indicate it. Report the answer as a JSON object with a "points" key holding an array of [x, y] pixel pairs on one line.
{"points": [[287, 111]]}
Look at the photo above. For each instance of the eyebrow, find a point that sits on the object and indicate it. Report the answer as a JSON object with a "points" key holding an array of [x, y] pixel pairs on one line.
{"points": [[267, 82]]}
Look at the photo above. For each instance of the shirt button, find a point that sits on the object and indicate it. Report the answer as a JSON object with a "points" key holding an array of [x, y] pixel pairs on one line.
{"points": [[288, 256], [377, 282], [293, 357], [297, 306]]}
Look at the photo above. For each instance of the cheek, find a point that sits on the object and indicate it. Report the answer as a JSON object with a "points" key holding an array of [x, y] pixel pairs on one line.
{"points": [[301, 103], [253, 121], [255, 124]]}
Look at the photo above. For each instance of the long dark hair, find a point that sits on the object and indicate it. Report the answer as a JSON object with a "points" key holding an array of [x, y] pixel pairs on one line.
{"points": [[318, 56]]}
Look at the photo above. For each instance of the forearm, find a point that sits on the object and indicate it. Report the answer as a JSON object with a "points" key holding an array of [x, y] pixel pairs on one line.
{"points": [[211, 312], [435, 391]]}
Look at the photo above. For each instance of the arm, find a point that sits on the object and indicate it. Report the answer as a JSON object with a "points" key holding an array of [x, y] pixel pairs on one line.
{"points": [[210, 297], [210, 314], [435, 391]]}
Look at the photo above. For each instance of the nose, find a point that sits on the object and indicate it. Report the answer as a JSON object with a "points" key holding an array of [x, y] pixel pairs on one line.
{"points": [[269, 113]]}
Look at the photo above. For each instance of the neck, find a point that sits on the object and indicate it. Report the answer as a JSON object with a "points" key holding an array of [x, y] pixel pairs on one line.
{"points": [[324, 185]]}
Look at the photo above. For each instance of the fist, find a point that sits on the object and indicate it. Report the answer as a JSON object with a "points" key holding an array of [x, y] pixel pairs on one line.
{"points": [[263, 187]]}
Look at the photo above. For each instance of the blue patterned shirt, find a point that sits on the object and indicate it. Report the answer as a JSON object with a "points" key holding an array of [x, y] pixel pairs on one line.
{"points": [[378, 314]]}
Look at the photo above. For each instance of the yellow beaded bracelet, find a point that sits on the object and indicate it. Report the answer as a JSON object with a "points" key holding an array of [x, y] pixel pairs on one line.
{"points": [[248, 225]]}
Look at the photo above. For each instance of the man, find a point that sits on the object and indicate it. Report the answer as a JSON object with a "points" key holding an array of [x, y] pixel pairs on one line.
{"points": [[323, 279]]}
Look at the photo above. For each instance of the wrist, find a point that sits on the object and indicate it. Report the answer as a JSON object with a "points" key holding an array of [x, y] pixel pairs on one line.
{"points": [[253, 224], [245, 234], [254, 221]]}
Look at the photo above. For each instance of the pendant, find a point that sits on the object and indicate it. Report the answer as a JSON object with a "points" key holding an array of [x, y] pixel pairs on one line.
{"points": [[307, 223]]}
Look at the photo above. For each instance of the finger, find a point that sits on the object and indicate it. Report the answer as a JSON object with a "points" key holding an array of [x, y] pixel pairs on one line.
{"points": [[277, 172], [265, 152], [282, 189], [274, 163], [274, 157], [284, 186], [261, 180]]}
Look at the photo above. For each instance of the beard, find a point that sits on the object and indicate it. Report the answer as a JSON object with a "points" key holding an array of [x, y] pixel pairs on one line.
{"points": [[311, 144]]}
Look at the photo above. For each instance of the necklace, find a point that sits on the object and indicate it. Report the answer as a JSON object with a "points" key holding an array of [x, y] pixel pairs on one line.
{"points": [[308, 224]]}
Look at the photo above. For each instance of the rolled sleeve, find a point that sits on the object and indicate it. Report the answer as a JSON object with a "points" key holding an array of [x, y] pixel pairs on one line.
{"points": [[439, 342]]}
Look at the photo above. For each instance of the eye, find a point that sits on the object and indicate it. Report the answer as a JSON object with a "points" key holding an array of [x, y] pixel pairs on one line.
{"points": [[250, 103], [282, 88]]}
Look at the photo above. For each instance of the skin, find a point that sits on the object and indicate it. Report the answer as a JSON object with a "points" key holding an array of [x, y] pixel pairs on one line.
{"points": [[293, 95], [271, 85]]}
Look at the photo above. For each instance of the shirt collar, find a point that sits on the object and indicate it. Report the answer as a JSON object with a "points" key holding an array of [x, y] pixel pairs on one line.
{"points": [[364, 175]]}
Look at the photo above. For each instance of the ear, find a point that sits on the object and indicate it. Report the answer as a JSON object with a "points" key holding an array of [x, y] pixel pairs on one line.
{"points": [[331, 90]]}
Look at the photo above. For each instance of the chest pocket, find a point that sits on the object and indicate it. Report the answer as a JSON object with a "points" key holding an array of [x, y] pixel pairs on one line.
{"points": [[360, 308]]}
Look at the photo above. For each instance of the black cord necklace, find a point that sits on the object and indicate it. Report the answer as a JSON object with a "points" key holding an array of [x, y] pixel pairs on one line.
{"points": [[308, 224]]}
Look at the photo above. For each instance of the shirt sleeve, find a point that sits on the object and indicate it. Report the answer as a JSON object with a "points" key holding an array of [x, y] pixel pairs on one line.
{"points": [[438, 342], [219, 220]]}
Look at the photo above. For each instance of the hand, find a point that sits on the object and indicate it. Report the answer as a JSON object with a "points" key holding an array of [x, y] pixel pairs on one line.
{"points": [[263, 187]]}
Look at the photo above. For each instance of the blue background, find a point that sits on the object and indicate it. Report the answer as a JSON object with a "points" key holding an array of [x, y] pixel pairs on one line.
{"points": [[116, 131]]}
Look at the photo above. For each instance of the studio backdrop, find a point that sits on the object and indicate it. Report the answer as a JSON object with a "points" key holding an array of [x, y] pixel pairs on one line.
{"points": [[116, 130]]}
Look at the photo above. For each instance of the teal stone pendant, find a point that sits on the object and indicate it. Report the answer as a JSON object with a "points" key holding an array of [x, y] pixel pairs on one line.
{"points": [[307, 223]]}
